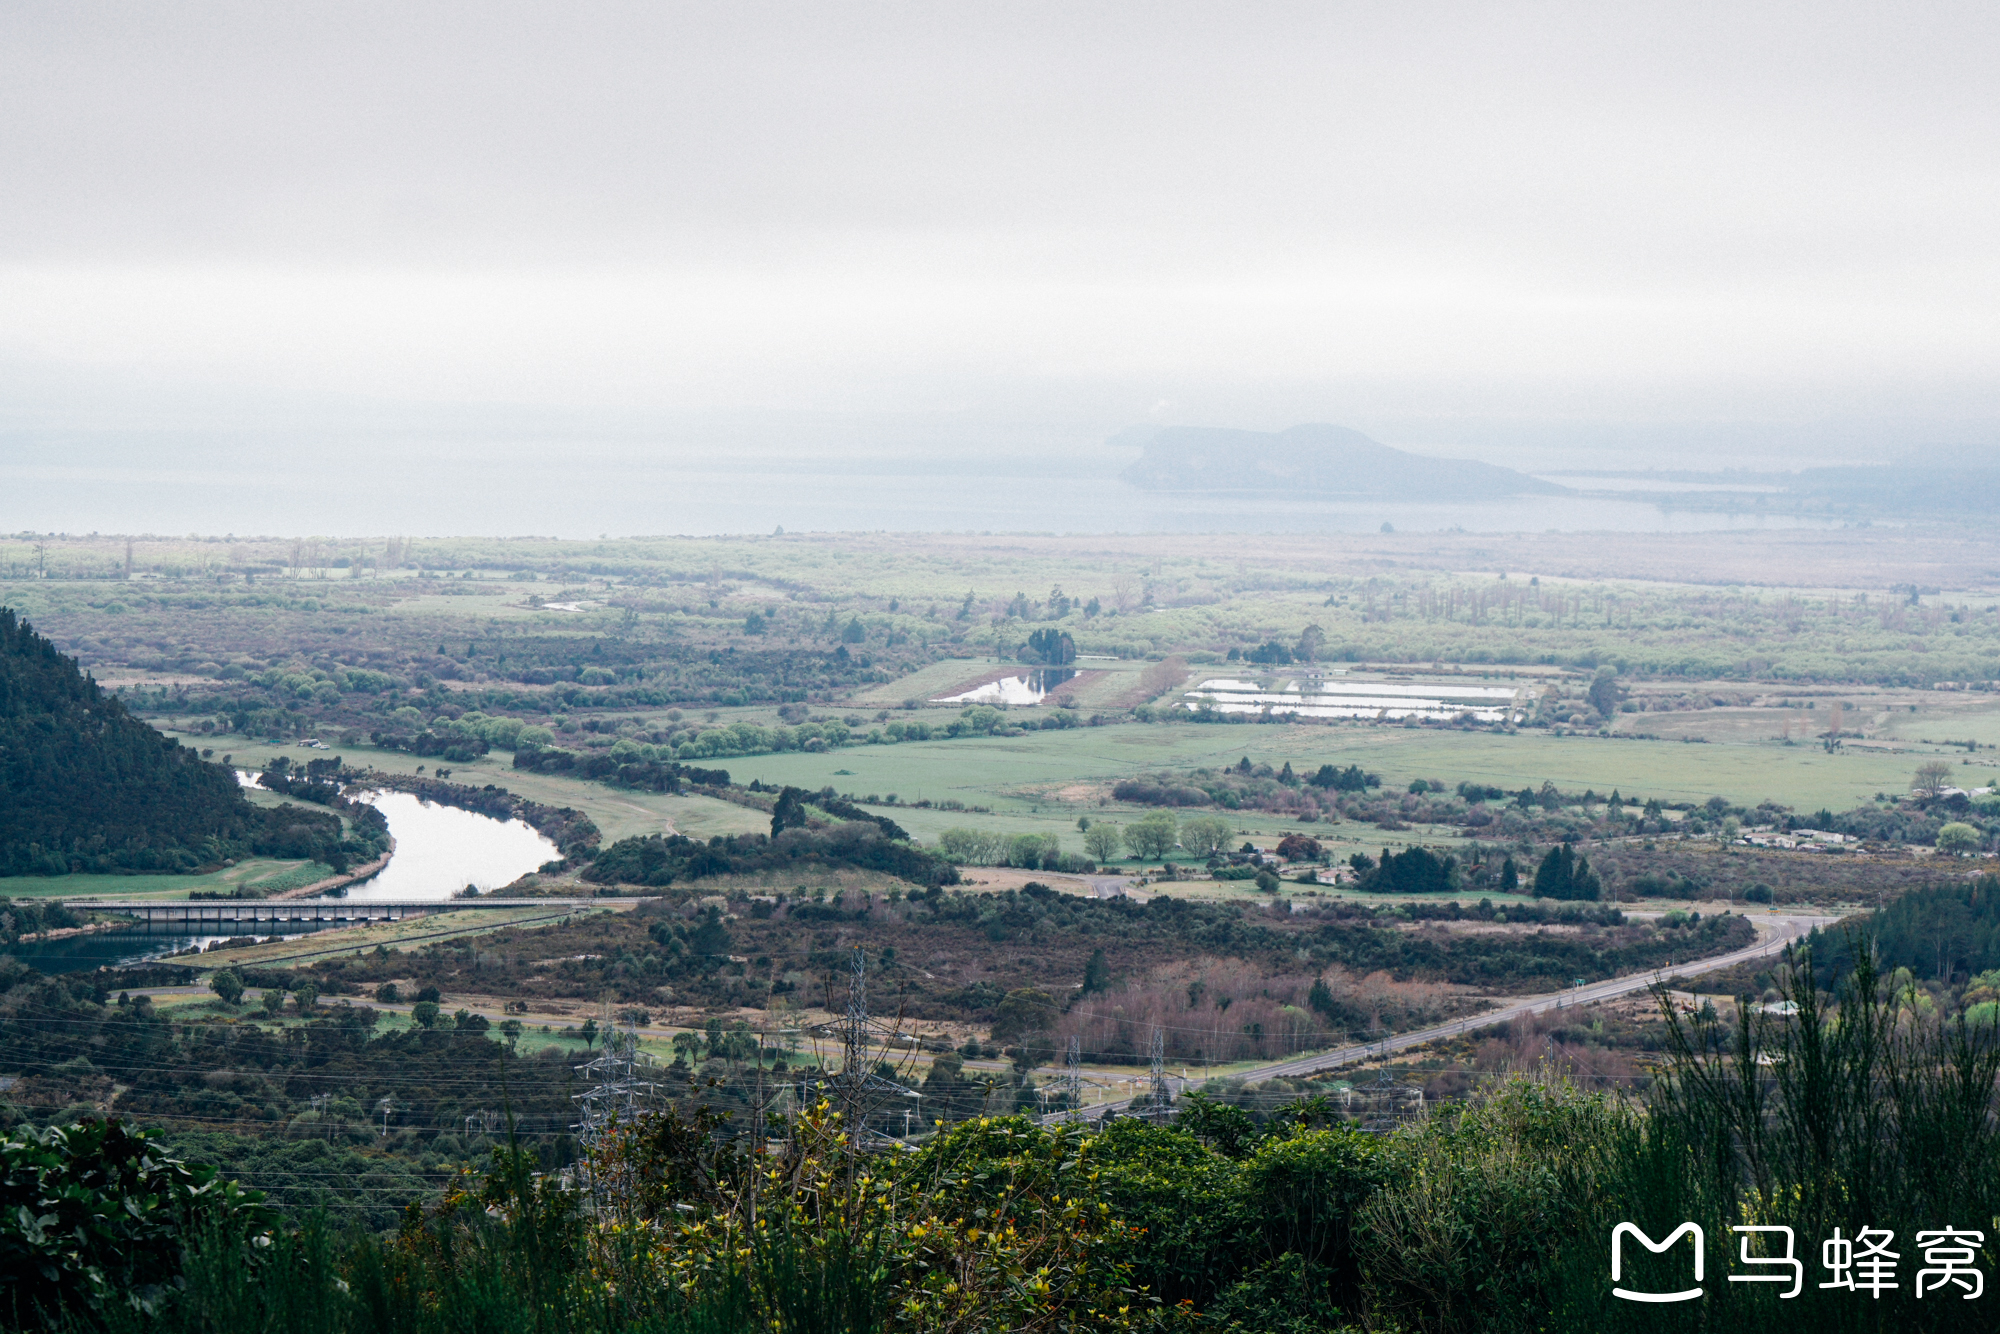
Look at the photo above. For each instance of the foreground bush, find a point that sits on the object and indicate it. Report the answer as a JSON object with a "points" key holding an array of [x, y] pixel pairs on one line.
{"points": [[96, 1214], [1861, 1110]]}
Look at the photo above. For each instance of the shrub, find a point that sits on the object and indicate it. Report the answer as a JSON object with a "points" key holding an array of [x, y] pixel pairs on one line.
{"points": [[94, 1210], [1299, 848], [1958, 838]]}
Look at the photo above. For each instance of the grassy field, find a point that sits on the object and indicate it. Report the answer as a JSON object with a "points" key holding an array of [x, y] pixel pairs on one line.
{"points": [[154, 886], [1041, 782], [624, 814], [1069, 772]]}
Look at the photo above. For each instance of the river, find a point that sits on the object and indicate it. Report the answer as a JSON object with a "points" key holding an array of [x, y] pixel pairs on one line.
{"points": [[439, 851]]}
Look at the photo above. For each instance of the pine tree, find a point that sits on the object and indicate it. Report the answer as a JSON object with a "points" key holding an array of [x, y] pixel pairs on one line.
{"points": [[790, 812], [1553, 876], [1566, 875], [1096, 974]]}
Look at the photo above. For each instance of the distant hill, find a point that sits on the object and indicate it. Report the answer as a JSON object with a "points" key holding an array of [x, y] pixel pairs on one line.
{"points": [[84, 786], [1314, 459], [1941, 480]]}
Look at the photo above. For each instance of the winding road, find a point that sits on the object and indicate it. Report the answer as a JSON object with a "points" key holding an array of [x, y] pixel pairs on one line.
{"points": [[1774, 933]]}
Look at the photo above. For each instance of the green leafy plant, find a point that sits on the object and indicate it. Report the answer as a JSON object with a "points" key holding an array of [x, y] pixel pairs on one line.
{"points": [[96, 1212]]}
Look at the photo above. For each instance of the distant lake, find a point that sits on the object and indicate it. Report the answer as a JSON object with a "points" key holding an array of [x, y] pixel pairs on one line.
{"points": [[844, 502], [580, 487]]}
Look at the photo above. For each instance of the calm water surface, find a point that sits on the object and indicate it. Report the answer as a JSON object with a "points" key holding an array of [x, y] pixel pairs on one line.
{"points": [[1027, 688], [439, 851]]}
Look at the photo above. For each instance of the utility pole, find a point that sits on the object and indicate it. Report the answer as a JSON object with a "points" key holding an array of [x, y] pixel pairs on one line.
{"points": [[1073, 1075], [854, 1037]]}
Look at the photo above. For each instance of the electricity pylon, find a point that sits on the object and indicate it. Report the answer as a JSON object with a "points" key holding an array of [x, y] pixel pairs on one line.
{"points": [[615, 1098], [1159, 1103], [856, 1090], [1073, 1075]]}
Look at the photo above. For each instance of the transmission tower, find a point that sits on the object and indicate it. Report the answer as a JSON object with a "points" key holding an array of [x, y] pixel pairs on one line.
{"points": [[1073, 1075], [1159, 1102], [1382, 1106], [857, 1090], [614, 1098]]}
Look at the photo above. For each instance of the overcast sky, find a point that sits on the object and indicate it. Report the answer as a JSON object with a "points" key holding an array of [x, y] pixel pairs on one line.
{"points": [[1443, 223]]}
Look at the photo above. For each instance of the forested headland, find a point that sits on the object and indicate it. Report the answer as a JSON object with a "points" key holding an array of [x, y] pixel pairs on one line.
{"points": [[85, 786]]}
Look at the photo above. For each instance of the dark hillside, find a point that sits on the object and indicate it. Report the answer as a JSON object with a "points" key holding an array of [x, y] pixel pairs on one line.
{"points": [[84, 786]]}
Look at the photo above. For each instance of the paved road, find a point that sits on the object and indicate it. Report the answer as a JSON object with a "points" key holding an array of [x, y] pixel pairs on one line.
{"points": [[1775, 933]]}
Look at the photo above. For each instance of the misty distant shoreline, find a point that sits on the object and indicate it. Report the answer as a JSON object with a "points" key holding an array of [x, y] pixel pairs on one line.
{"points": [[333, 484]]}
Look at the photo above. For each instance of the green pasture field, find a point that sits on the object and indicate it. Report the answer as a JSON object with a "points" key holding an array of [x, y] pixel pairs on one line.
{"points": [[148, 886], [1041, 782], [1067, 773], [622, 813], [1945, 717]]}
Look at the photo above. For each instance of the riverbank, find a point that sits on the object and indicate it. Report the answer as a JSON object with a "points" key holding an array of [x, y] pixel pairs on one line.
{"points": [[71, 932], [366, 871]]}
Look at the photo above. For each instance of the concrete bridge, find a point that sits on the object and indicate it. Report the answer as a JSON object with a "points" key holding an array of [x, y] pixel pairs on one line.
{"points": [[275, 916]]}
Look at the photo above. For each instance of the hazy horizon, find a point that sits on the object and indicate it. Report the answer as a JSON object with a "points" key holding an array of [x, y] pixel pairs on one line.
{"points": [[339, 270]]}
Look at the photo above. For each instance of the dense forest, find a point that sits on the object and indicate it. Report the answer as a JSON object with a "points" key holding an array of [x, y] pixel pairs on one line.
{"points": [[85, 786], [1941, 933]]}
